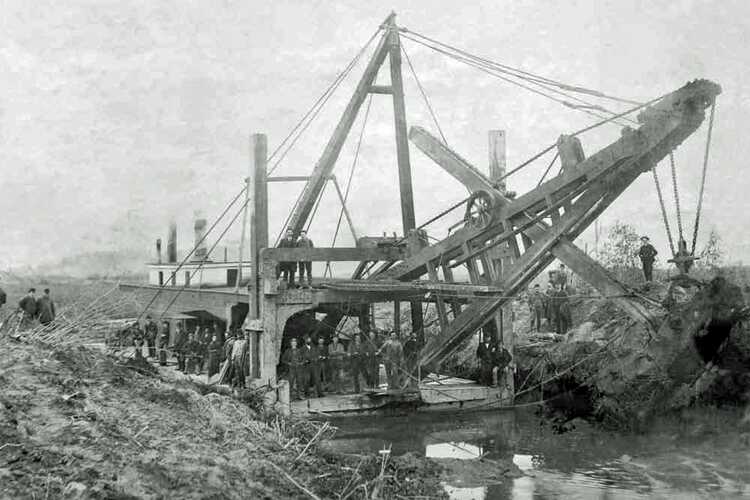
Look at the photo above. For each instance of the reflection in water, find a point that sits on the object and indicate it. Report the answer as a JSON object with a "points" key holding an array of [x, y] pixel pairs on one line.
{"points": [[585, 463], [460, 451]]}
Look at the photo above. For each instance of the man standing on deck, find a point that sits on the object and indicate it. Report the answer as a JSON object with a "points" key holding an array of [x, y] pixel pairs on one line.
{"points": [[28, 307], [163, 343], [372, 363], [292, 358], [305, 266], [287, 268], [313, 362], [647, 254], [393, 357], [45, 308], [357, 359], [336, 355], [411, 355]]}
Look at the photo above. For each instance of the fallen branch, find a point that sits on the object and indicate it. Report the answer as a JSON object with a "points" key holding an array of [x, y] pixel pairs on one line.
{"points": [[293, 481], [314, 438]]}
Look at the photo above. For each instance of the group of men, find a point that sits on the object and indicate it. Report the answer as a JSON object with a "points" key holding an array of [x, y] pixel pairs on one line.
{"points": [[317, 364], [35, 308], [287, 269], [493, 358], [551, 306]]}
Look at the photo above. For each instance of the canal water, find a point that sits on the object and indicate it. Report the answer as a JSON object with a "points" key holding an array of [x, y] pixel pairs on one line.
{"points": [[695, 460]]}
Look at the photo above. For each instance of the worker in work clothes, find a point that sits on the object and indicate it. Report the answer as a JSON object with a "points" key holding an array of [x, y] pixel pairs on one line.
{"points": [[286, 269], [393, 358], [138, 339], [336, 355], [45, 308], [28, 307], [292, 360], [305, 267], [313, 358], [214, 356], [357, 359], [561, 310], [151, 333], [179, 346], [239, 360], [372, 360], [163, 343], [536, 305], [501, 358], [647, 254], [485, 354], [411, 356]]}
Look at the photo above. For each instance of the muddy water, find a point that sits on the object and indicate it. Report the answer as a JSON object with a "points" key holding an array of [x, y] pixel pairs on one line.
{"points": [[675, 461]]}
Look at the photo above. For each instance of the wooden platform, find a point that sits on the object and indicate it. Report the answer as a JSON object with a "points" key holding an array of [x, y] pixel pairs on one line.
{"points": [[448, 395]]}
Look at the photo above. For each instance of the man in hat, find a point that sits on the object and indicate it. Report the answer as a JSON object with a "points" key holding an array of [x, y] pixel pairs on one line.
{"points": [[336, 355], [151, 333], [393, 357], [536, 306], [28, 307], [45, 308], [292, 359], [163, 343], [312, 362], [357, 356], [647, 254], [287, 268], [305, 266]]}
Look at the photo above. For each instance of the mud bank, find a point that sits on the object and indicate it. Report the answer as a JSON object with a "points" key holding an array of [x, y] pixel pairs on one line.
{"points": [[78, 424], [621, 373]]}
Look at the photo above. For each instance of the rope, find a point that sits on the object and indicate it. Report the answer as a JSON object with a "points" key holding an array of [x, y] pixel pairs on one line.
{"points": [[676, 196], [530, 76], [549, 167], [424, 96], [242, 191], [349, 180], [319, 103], [703, 178], [663, 209], [490, 69]]}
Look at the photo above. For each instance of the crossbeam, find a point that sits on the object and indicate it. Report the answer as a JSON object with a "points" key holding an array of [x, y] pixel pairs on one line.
{"points": [[337, 254]]}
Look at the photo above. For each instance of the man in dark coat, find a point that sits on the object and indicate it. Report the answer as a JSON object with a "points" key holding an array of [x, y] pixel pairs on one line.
{"points": [[393, 358], [163, 344], [45, 308], [357, 356], [29, 308], [180, 343], [305, 266], [485, 354], [647, 254], [287, 268], [312, 360], [292, 360], [501, 358], [151, 333], [411, 356], [536, 303]]}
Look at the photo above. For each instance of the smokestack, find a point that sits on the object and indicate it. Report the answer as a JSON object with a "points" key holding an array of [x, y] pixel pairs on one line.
{"points": [[158, 250], [172, 243], [200, 231]]}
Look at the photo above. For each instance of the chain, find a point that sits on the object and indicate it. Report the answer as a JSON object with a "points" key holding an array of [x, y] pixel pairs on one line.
{"points": [[703, 178], [676, 196], [663, 209]]}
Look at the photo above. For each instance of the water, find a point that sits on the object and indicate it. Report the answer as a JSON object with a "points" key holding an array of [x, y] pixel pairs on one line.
{"points": [[586, 463]]}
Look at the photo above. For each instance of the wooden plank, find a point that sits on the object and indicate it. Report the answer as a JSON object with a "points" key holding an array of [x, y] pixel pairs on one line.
{"points": [[496, 140], [327, 161], [258, 218], [338, 254], [450, 161]]}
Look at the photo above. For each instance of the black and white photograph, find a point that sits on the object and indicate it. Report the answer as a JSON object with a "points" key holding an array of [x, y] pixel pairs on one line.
{"points": [[351, 250]]}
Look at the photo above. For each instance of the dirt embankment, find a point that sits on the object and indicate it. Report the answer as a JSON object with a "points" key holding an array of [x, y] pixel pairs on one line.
{"points": [[622, 374], [77, 424]]}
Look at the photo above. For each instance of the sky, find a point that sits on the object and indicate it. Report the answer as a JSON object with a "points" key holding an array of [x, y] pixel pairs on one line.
{"points": [[116, 116]]}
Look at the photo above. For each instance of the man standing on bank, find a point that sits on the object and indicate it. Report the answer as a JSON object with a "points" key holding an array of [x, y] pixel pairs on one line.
{"points": [[28, 307], [45, 308], [305, 266], [648, 254]]}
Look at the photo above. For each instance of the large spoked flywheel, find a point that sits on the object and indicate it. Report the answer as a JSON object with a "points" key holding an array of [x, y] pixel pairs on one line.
{"points": [[479, 210]]}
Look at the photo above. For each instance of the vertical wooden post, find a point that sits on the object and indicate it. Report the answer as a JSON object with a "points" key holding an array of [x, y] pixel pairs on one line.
{"points": [[408, 218], [504, 317], [258, 186], [397, 318], [242, 236]]}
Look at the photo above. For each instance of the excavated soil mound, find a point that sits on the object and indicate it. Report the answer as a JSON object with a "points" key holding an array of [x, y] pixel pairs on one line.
{"points": [[75, 423], [623, 373]]}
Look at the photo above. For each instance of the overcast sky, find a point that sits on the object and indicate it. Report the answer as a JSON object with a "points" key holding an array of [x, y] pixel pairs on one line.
{"points": [[117, 115]]}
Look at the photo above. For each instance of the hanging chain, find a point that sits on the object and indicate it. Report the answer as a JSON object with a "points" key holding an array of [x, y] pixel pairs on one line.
{"points": [[663, 209], [676, 196], [703, 178]]}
